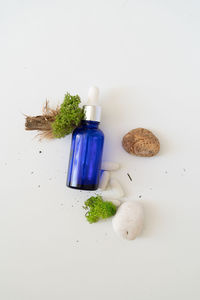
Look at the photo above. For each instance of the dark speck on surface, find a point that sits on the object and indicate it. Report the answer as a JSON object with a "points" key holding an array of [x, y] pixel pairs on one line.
{"points": [[72, 205], [40, 151], [140, 196], [38, 185], [77, 241], [32, 172], [129, 176], [184, 170], [166, 172]]}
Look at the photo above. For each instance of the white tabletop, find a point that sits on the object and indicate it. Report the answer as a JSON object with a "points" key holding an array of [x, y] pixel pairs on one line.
{"points": [[145, 58]]}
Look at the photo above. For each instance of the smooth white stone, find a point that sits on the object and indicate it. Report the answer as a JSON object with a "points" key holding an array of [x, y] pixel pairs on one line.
{"points": [[129, 219], [105, 177], [109, 166]]}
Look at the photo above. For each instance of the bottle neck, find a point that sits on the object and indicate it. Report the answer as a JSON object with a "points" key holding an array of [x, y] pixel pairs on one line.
{"points": [[90, 124], [92, 113]]}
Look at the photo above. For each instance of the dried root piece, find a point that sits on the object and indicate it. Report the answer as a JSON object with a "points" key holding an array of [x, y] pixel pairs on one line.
{"points": [[43, 122], [58, 122]]}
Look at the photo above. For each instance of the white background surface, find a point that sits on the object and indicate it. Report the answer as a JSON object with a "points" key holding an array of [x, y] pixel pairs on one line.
{"points": [[144, 56]]}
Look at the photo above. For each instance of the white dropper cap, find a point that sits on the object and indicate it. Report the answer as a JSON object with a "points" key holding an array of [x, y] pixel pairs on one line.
{"points": [[93, 96], [92, 109]]}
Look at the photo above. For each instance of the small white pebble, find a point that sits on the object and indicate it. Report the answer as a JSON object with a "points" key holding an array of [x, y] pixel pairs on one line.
{"points": [[115, 185], [111, 194], [115, 202], [129, 219], [109, 166], [116, 191], [105, 177]]}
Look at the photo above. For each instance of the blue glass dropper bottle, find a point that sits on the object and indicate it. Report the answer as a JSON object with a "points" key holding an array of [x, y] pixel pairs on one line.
{"points": [[87, 147]]}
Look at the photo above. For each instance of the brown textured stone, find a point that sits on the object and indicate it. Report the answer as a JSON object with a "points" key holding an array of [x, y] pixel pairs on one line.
{"points": [[141, 142]]}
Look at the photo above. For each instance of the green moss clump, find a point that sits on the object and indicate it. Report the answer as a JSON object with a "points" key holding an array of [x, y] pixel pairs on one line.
{"points": [[69, 116], [98, 209]]}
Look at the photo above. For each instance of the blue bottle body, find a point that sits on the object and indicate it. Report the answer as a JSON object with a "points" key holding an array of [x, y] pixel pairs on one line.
{"points": [[85, 157]]}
